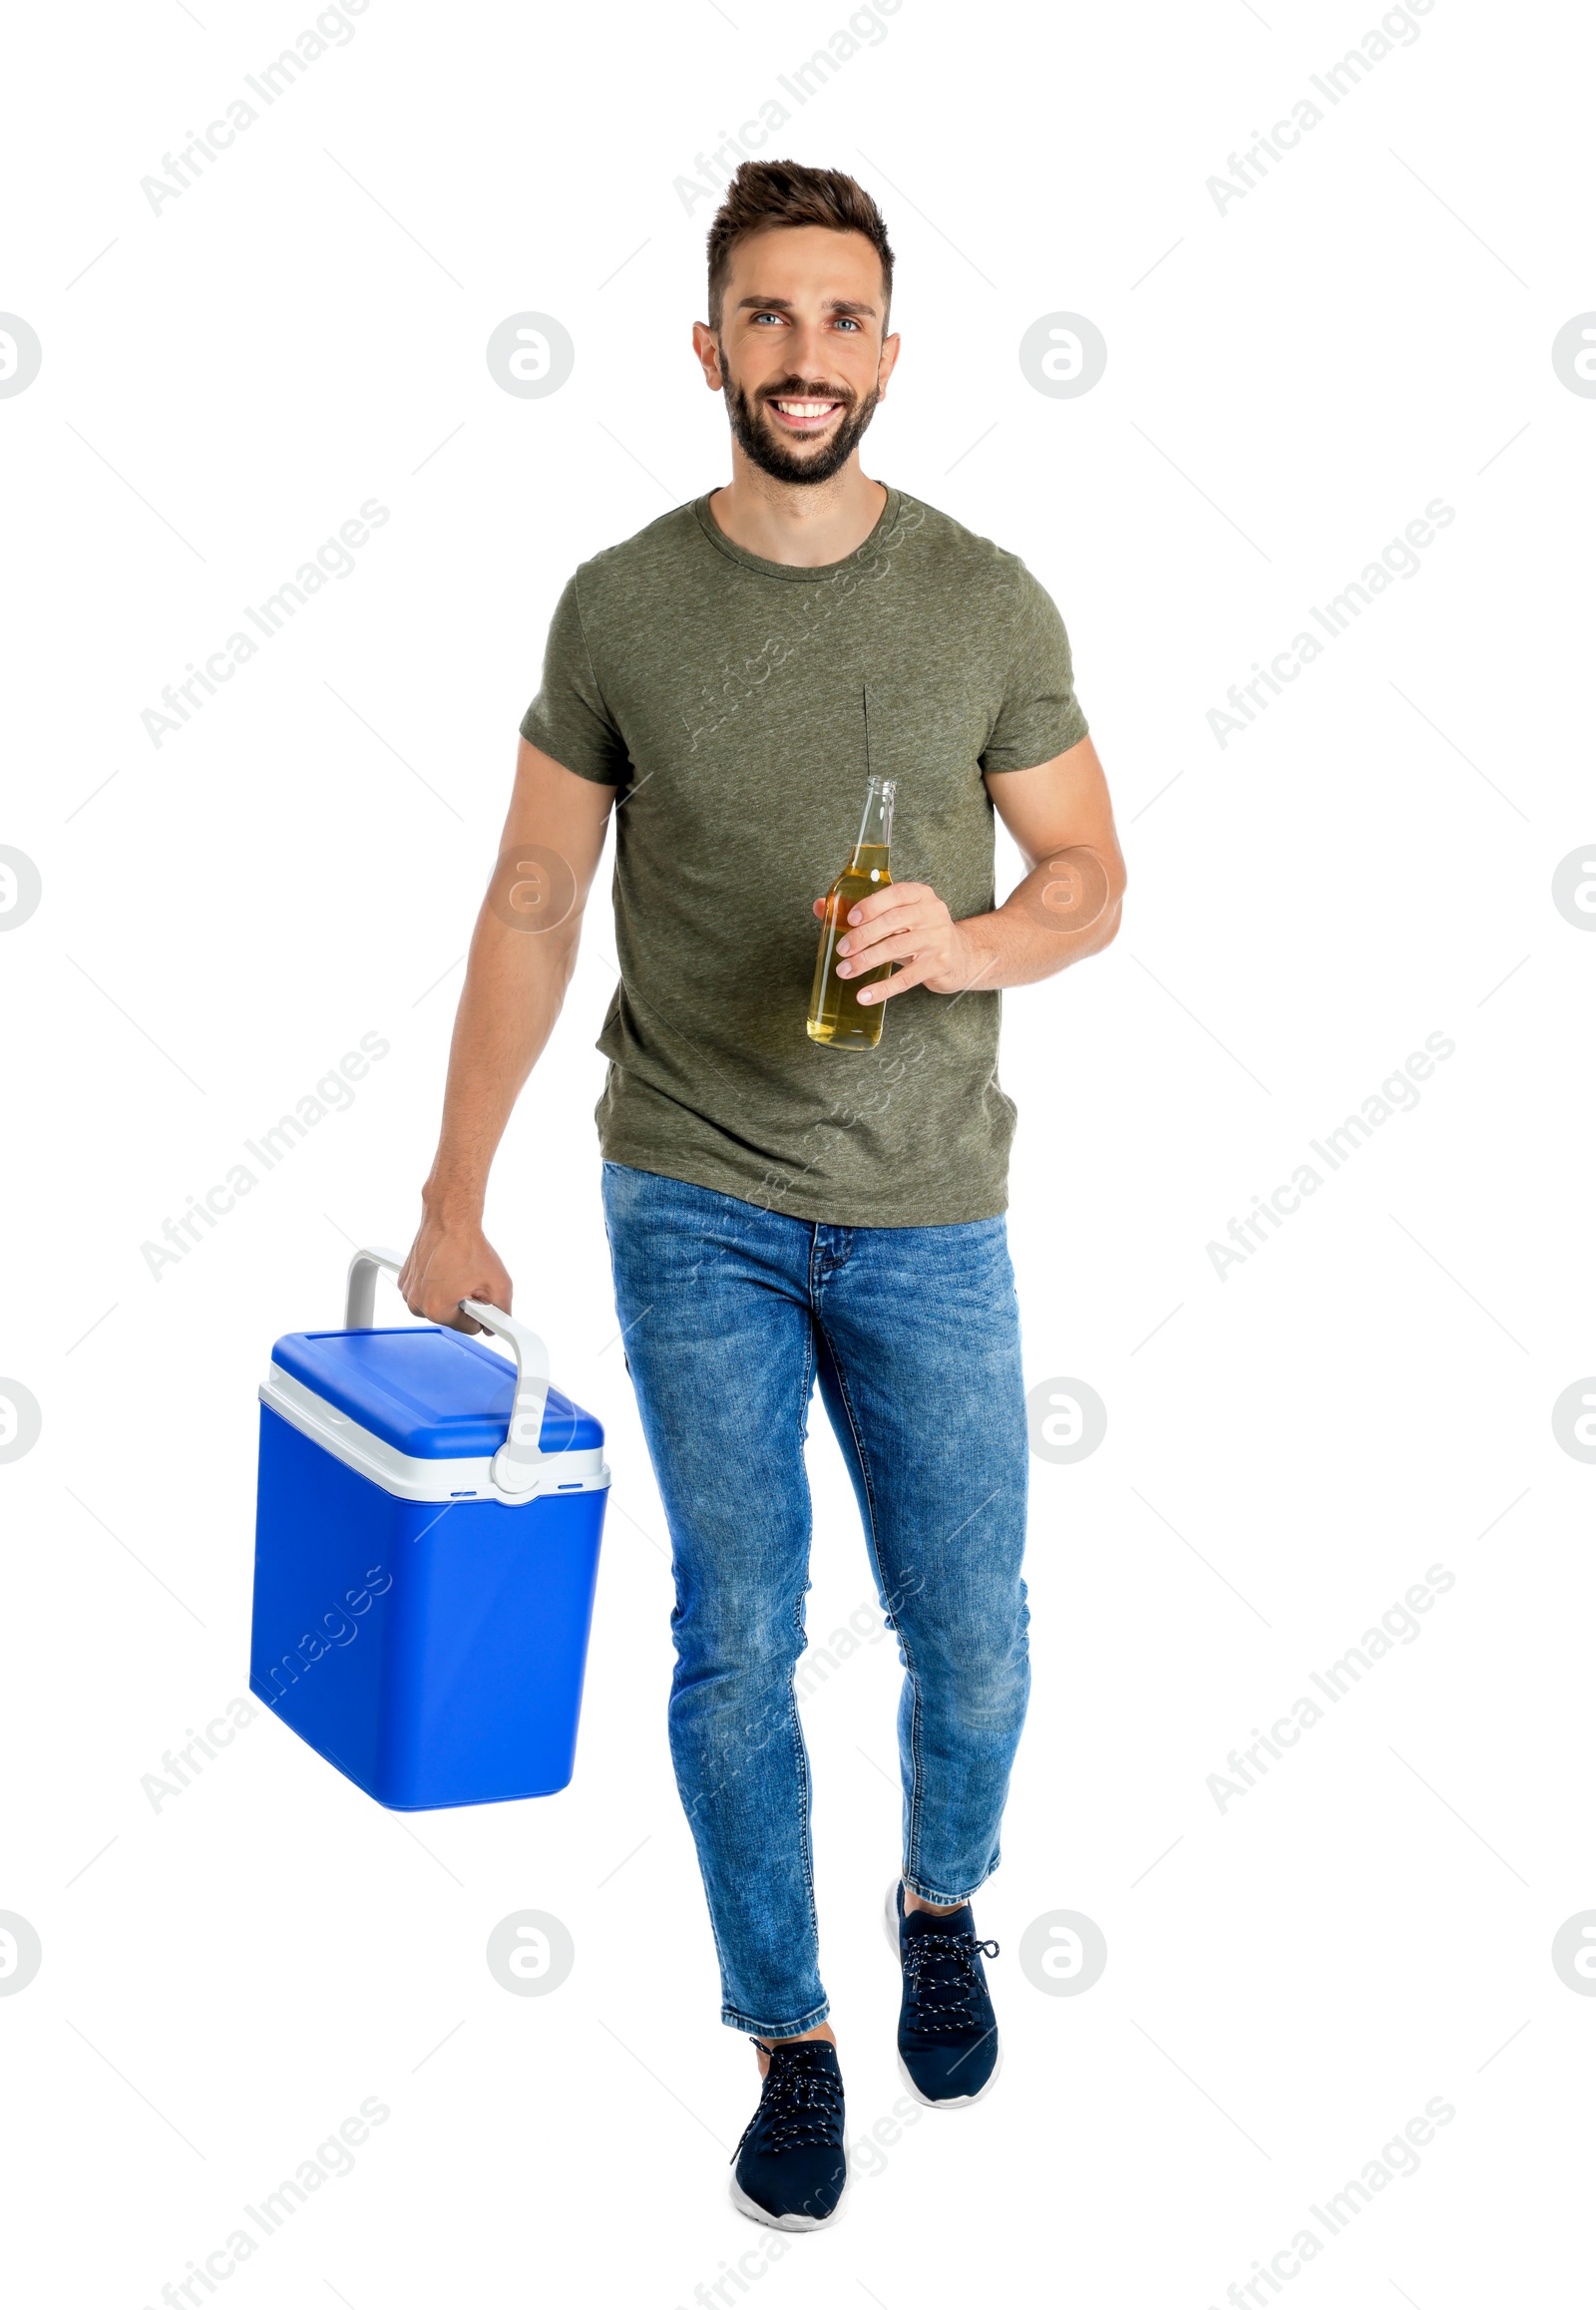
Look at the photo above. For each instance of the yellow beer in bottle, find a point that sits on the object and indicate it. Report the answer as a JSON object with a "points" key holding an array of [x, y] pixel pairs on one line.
{"points": [[837, 1017]]}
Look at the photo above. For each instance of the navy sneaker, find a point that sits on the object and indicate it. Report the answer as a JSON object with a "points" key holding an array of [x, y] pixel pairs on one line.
{"points": [[792, 2162], [947, 2048]]}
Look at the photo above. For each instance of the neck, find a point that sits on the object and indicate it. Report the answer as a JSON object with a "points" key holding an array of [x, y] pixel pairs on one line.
{"points": [[804, 524]]}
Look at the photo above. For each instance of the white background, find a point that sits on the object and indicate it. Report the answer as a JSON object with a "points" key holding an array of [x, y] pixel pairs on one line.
{"points": [[1289, 383]]}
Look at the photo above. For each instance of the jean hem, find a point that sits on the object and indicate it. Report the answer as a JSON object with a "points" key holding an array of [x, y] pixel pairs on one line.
{"points": [[758, 2029], [925, 1892]]}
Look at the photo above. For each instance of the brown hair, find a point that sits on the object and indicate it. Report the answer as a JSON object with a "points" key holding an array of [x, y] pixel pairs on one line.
{"points": [[767, 192]]}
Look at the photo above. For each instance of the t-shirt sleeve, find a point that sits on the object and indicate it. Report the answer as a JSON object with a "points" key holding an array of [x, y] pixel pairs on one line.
{"points": [[569, 719], [1041, 715]]}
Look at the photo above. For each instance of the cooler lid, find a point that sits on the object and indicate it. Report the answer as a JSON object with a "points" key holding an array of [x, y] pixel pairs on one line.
{"points": [[431, 1392]]}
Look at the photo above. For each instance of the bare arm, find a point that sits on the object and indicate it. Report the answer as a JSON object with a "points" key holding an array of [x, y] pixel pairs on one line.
{"points": [[523, 952], [1067, 907]]}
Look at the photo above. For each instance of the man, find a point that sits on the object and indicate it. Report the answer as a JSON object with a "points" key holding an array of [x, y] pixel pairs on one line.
{"points": [[779, 1211]]}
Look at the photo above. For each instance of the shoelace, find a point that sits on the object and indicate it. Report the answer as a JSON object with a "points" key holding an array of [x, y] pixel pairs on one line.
{"points": [[941, 1999], [800, 2106]]}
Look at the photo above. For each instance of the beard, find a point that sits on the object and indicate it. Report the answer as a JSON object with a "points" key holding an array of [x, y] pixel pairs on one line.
{"points": [[788, 463]]}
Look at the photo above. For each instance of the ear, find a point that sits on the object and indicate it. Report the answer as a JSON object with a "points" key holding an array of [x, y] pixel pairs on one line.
{"points": [[706, 345], [890, 349]]}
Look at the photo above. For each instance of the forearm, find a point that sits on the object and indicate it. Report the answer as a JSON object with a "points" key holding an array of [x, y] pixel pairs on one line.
{"points": [[516, 982], [1065, 909]]}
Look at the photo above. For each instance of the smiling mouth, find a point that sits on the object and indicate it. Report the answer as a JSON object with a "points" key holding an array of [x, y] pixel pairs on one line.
{"points": [[803, 414]]}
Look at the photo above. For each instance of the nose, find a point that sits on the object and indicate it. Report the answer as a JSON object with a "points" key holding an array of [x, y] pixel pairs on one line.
{"points": [[807, 346]]}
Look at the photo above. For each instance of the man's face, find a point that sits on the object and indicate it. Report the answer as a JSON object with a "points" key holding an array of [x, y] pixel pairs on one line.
{"points": [[800, 353]]}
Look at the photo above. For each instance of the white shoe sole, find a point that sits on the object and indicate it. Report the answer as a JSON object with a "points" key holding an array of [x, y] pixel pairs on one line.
{"points": [[792, 2222], [958, 2101]]}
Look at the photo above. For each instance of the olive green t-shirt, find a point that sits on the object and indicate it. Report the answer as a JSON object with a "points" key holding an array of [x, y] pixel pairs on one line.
{"points": [[721, 694]]}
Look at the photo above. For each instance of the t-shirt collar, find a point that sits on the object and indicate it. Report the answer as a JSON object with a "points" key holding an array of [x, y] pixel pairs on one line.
{"points": [[757, 562]]}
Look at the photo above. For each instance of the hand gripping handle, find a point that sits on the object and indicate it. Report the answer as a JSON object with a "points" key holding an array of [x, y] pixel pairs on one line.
{"points": [[518, 1464]]}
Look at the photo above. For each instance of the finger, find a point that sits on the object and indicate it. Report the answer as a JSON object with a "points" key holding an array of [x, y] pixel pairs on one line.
{"points": [[889, 939], [899, 947], [887, 924], [452, 1318], [910, 974], [895, 895]]}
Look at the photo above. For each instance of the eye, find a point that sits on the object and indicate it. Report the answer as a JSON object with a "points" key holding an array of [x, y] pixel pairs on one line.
{"points": [[846, 321]]}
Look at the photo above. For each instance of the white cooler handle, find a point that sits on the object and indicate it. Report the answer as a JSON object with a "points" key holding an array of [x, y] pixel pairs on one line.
{"points": [[520, 1461], [361, 1300]]}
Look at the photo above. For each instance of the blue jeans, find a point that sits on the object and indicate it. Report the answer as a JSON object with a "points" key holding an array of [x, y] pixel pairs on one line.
{"points": [[728, 1314]]}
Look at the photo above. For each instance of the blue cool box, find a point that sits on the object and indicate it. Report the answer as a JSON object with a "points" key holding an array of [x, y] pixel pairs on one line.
{"points": [[426, 1552]]}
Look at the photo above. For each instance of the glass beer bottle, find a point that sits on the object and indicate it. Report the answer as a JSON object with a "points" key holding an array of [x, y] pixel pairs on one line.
{"points": [[836, 1016]]}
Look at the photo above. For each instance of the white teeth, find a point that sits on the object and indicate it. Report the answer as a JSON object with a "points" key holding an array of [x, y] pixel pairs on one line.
{"points": [[805, 408]]}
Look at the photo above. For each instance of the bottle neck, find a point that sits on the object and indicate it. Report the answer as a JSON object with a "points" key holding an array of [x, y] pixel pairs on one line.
{"points": [[875, 828]]}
